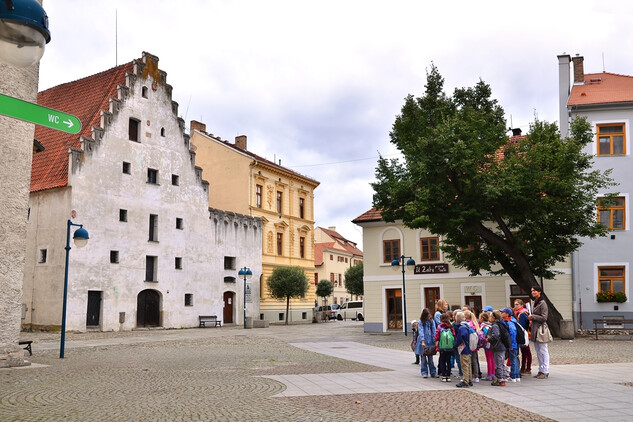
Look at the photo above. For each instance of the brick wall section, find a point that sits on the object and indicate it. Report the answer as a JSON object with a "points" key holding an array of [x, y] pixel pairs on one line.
{"points": [[579, 69]]}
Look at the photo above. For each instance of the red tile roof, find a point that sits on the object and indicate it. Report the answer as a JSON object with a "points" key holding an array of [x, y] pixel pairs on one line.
{"points": [[372, 215], [346, 244], [318, 252], [602, 88], [84, 98]]}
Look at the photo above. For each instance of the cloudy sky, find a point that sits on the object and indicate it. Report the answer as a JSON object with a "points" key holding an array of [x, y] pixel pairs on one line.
{"points": [[317, 85]]}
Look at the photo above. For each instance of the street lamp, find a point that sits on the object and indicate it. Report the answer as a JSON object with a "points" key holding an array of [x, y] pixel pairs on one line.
{"points": [[410, 264], [23, 32], [80, 237], [246, 273]]}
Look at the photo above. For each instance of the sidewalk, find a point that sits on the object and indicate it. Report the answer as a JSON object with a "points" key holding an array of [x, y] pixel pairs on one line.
{"points": [[572, 393]]}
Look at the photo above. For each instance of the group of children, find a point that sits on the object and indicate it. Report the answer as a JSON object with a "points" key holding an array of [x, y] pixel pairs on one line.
{"points": [[459, 335]]}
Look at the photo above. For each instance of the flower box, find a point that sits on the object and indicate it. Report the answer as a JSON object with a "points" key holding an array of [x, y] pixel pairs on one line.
{"points": [[618, 297]]}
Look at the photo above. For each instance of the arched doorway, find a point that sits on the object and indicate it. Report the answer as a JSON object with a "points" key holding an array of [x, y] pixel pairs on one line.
{"points": [[148, 309], [229, 299]]}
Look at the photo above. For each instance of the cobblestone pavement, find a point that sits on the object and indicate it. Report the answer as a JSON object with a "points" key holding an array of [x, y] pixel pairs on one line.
{"points": [[213, 375]]}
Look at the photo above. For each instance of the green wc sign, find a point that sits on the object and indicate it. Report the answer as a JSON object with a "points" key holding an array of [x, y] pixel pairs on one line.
{"points": [[39, 115]]}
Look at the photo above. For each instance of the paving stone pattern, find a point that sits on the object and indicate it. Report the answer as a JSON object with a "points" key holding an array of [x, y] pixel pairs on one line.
{"points": [[214, 375]]}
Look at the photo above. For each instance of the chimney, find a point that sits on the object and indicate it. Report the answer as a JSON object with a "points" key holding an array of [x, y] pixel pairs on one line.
{"points": [[240, 141], [516, 132], [333, 228], [579, 69], [195, 125], [563, 93]]}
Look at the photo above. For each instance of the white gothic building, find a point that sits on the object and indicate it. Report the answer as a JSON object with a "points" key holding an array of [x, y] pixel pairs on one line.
{"points": [[157, 254]]}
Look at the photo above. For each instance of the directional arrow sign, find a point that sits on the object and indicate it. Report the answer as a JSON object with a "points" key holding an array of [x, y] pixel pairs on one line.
{"points": [[39, 115]]}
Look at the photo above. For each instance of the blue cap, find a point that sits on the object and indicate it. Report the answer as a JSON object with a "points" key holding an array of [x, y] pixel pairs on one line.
{"points": [[488, 309], [507, 311]]}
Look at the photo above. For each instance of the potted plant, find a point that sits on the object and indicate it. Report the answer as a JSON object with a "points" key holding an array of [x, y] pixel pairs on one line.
{"points": [[618, 297]]}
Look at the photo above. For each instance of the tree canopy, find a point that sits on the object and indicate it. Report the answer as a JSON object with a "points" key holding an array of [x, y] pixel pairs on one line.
{"points": [[502, 205], [287, 282], [354, 280], [324, 288]]}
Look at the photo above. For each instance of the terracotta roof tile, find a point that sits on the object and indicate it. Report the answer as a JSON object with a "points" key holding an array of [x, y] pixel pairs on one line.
{"points": [[347, 245], [84, 98], [602, 88], [372, 215]]}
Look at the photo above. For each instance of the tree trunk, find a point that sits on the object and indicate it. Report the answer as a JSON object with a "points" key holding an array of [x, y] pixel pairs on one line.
{"points": [[287, 307]]}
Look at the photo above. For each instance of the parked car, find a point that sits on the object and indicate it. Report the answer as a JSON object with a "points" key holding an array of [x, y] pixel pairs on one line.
{"points": [[353, 309], [331, 313]]}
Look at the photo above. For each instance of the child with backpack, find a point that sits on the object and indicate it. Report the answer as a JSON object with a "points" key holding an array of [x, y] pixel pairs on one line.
{"points": [[485, 325], [471, 318], [445, 341], [511, 323], [499, 339], [414, 340], [426, 340], [521, 314], [461, 342]]}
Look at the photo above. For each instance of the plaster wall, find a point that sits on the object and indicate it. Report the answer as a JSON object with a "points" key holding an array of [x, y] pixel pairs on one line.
{"points": [[16, 148]]}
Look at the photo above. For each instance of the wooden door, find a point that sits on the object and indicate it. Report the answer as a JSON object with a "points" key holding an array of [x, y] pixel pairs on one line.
{"points": [[431, 296], [148, 309], [94, 308], [228, 307], [394, 309], [474, 303]]}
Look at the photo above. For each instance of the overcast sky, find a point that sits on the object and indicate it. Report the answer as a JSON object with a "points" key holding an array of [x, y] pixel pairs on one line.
{"points": [[318, 84]]}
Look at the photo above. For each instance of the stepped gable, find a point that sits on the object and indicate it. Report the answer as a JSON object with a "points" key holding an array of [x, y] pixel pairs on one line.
{"points": [[94, 100]]}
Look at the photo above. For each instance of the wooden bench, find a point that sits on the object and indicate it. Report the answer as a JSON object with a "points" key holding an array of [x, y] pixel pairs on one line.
{"points": [[610, 324], [28, 345], [209, 319]]}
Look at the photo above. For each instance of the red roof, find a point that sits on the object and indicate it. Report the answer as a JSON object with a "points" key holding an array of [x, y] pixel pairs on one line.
{"points": [[318, 252], [602, 88], [84, 98], [372, 215]]}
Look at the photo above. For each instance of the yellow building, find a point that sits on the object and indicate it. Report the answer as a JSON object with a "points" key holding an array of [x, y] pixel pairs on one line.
{"points": [[333, 255], [246, 183]]}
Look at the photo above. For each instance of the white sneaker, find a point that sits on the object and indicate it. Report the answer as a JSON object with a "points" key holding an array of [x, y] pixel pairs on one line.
{"points": [[476, 379], [518, 379], [513, 379]]}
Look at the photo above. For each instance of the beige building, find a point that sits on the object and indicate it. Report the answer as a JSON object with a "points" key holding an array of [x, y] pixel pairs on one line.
{"points": [[243, 182], [434, 277], [333, 255]]}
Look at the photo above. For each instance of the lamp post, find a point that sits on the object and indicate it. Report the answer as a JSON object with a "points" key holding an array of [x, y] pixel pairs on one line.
{"points": [[23, 32], [80, 237], [246, 273], [410, 264]]}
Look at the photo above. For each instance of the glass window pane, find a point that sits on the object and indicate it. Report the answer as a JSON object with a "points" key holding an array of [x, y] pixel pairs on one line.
{"points": [[605, 217], [612, 272], [604, 145], [618, 286], [618, 219], [605, 285], [618, 145], [611, 129]]}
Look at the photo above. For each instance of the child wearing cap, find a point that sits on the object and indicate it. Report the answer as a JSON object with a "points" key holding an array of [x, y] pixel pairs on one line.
{"points": [[414, 340], [508, 319]]}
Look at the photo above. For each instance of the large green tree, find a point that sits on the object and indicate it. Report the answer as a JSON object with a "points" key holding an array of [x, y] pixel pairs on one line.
{"points": [[287, 282], [504, 207], [354, 280]]}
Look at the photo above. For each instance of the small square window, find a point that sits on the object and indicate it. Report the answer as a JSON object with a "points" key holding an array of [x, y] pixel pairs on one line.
{"points": [[178, 263], [127, 168], [179, 225], [123, 215], [281, 316], [152, 176], [41, 259], [188, 299], [114, 257], [162, 132], [175, 179], [229, 262], [144, 92]]}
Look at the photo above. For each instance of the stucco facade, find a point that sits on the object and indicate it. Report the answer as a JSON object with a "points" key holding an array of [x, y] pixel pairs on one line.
{"points": [[157, 255], [333, 256], [244, 182], [606, 100], [16, 146], [432, 279]]}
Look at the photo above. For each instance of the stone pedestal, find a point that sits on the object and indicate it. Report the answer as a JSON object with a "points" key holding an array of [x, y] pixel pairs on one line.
{"points": [[567, 330], [11, 356], [249, 322]]}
